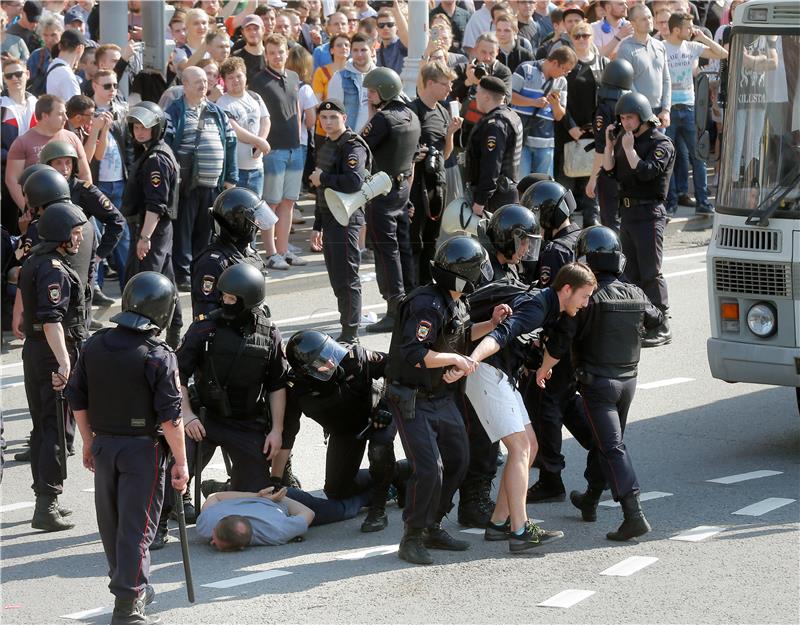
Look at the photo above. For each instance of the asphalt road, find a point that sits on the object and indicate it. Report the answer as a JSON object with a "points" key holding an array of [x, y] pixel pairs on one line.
{"points": [[685, 429]]}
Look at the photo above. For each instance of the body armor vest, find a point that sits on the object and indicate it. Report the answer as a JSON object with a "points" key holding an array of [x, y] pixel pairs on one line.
{"points": [[120, 399], [395, 154]]}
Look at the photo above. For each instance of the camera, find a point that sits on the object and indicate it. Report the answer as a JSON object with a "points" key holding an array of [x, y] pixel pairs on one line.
{"points": [[481, 69], [432, 160]]}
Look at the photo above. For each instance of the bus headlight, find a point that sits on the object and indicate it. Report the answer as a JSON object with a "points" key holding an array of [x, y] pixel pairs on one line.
{"points": [[762, 320]]}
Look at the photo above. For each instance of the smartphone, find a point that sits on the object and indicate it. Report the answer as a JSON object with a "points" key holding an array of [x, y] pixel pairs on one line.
{"points": [[435, 33], [455, 110]]}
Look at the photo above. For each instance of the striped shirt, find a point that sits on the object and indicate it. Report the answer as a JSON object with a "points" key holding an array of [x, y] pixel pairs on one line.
{"points": [[210, 153]]}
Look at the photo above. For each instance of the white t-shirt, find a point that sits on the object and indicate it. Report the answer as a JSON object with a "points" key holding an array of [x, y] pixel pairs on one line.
{"points": [[681, 61], [307, 100], [247, 111], [62, 81], [600, 37]]}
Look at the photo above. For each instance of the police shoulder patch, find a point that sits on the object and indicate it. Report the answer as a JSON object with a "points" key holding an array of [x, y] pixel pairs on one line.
{"points": [[55, 262], [423, 330], [598, 122], [54, 292], [491, 142], [544, 276], [106, 203], [87, 184], [352, 161], [660, 153], [207, 284], [366, 130], [214, 255], [155, 178]]}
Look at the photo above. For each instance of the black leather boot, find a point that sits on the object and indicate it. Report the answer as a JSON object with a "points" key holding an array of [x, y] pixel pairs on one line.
{"points": [[162, 534], [587, 502], [549, 487], [434, 537], [634, 523], [349, 335], [412, 549], [387, 323], [475, 505], [376, 519], [131, 612], [46, 516], [62, 510], [659, 336]]}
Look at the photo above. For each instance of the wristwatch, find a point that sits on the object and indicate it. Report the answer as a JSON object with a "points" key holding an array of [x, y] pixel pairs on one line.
{"points": [[144, 237]]}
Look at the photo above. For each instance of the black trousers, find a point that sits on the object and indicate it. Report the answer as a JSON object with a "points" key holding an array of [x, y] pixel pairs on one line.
{"points": [[607, 193], [424, 233], [343, 479], [436, 446], [158, 259], [38, 363], [606, 402], [642, 239], [483, 452], [193, 229], [129, 476], [389, 236], [342, 260]]}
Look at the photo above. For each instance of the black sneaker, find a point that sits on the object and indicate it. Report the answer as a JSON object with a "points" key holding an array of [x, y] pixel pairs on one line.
{"points": [[434, 537], [497, 532], [686, 200], [549, 487], [209, 487], [533, 536]]}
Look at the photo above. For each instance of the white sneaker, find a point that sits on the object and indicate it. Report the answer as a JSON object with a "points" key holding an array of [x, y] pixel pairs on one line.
{"points": [[295, 260], [297, 217], [276, 261], [294, 249]]}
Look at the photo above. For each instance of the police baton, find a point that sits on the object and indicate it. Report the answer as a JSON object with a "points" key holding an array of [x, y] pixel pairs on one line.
{"points": [[198, 462], [61, 415], [187, 564]]}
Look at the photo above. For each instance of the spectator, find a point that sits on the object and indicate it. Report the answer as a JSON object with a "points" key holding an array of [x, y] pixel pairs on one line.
{"points": [[649, 59], [563, 22], [479, 23], [11, 46], [364, 10], [347, 84], [340, 50], [513, 50], [283, 166], [609, 31], [177, 28], [393, 33], [685, 45], [249, 118], [195, 47], [527, 28], [300, 62], [215, 85], [81, 121], [205, 147], [352, 19], [25, 25], [540, 98], [267, 15], [61, 78], [87, 67], [444, 42], [218, 45], [457, 19], [296, 27], [337, 24], [541, 15], [252, 53], [662, 24], [49, 29], [75, 19], [12, 8], [51, 114], [283, 27]]}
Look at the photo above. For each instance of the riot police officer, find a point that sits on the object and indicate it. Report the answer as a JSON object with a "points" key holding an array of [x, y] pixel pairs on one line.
{"points": [[238, 214], [559, 403], [151, 200], [392, 135], [617, 80], [641, 161], [425, 360], [494, 150], [343, 162], [240, 373], [606, 351], [54, 325], [338, 388], [123, 390]]}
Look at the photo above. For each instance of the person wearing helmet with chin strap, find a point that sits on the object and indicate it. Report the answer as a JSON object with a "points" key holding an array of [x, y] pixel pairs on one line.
{"points": [[151, 198], [125, 395], [54, 325], [640, 158]]}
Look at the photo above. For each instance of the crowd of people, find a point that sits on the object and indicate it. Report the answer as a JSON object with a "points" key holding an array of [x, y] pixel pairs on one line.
{"points": [[188, 180]]}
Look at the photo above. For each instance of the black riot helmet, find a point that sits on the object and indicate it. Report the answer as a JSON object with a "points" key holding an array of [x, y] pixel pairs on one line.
{"points": [[148, 302], [240, 213], [44, 187], [57, 222], [617, 80], [551, 202], [599, 247], [513, 229], [29, 171], [461, 264], [528, 181], [637, 104], [314, 354], [247, 283], [149, 115]]}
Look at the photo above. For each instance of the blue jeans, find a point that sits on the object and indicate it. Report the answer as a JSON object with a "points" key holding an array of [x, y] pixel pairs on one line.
{"points": [[113, 191], [330, 510], [536, 160], [252, 179], [683, 133]]}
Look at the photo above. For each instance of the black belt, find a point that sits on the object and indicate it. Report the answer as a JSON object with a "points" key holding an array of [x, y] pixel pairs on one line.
{"points": [[627, 202], [135, 438], [681, 107], [431, 395]]}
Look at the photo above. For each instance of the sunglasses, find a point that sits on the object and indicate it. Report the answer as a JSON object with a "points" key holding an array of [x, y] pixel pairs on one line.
{"points": [[109, 85], [386, 25], [11, 75], [584, 36]]}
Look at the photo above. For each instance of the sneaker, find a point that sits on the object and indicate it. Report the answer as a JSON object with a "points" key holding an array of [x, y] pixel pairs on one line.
{"points": [[533, 536], [297, 217], [276, 261], [686, 200], [434, 537], [705, 209], [294, 248], [295, 260], [497, 532]]}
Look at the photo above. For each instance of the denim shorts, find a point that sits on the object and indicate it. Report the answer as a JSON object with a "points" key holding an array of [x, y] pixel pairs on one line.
{"points": [[252, 179], [283, 172]]}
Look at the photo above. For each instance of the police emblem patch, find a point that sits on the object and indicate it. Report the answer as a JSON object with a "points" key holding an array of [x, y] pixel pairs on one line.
{"points": [[544, 275], [207, 285], [491, 143], [365, 131], [54, 293], [352, 161], [155, 178], [660, 153], [423, 330], [598, 122]]}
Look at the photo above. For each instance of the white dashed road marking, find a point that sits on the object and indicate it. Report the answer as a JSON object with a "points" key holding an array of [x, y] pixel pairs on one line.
{"points": [[247, 579], [764, 506], [17, 506], [696, 534], [661, 383], [567, 598], [87, 614], [743, 477], [675, 274], [361, 554], [629, 566], [654, 494]]}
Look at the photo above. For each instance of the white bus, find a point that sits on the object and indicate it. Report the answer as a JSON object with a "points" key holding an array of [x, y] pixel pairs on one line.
{"points": [[754, 254]]}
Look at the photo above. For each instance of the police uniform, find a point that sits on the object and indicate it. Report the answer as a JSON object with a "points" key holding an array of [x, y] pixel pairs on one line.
{"points": [[128, 382], [643, 217], [345, 164], [393, 136], [153, 187], [430, 425], [493, 154], [235, 369], [52, 292], [343, 406], [606, 191]]}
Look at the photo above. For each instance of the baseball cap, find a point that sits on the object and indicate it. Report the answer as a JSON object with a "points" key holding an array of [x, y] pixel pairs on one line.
{"points": [[252, 19], [32, 10], [75, 14], [574, 9]]}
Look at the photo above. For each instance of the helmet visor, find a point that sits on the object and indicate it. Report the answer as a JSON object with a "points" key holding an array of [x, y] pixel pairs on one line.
{"points": [[324, 365], [527, 246], [144, 116], [264, 217], [487, 273]]}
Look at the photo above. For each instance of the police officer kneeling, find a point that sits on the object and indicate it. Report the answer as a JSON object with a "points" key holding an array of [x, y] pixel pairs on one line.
{"points": [[124, 388], [606, 349]]}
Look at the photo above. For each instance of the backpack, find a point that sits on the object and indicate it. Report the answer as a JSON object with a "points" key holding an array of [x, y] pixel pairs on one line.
{"points": [[38, 86], [506, 291]]}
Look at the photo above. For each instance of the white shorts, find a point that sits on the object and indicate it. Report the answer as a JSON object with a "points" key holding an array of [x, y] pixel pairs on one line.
{"points": [[499, 405]]}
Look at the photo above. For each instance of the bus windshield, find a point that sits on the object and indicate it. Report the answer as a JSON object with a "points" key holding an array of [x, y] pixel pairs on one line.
{"points": [[761, 140]]}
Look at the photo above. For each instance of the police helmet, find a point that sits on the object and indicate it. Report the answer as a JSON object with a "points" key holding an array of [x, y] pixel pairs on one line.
{"points": [[599, 247], [528, 181], [57, 222], [149, 115], [511, 227], [240, 213], [461, 264], [244, 281], [314, 354], [45, 186], [617, 79], [637, 104], [148, 302], [385, 81], [551, 202], [59, 149]]}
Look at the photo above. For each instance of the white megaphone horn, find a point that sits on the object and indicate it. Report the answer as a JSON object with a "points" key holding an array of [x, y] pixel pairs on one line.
{"points": [[343, 205]]}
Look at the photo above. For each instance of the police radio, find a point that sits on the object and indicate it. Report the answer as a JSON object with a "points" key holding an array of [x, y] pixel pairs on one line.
{"points": [[343, 205]]}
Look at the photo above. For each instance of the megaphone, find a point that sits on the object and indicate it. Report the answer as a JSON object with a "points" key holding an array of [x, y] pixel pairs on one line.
{"points": [[458, 218], [343, 205]]}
